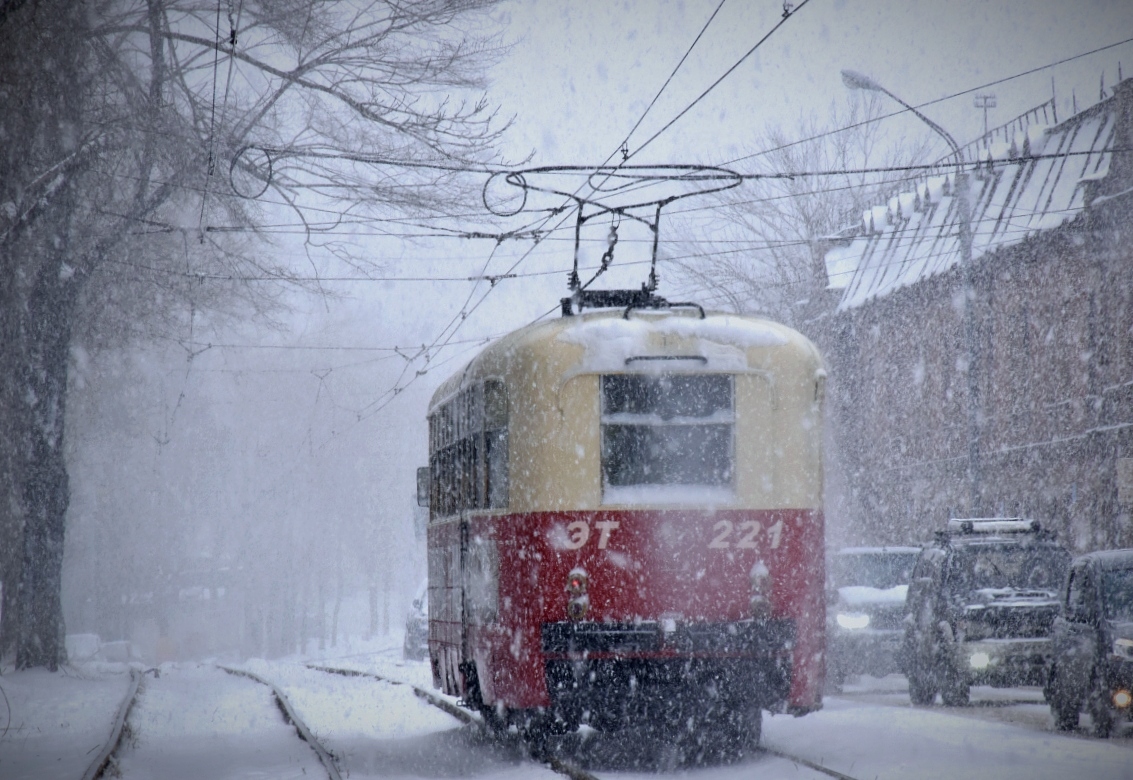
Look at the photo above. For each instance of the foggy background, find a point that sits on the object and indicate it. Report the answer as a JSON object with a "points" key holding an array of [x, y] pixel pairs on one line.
{"points": [[246, 487]]}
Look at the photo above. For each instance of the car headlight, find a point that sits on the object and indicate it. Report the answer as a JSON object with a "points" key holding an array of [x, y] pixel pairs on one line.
{"points": [[979, 661], [1123, 648], [852, 620]]}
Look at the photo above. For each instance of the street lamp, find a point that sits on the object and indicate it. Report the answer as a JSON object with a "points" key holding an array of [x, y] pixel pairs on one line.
{"points": [[854, 80]]}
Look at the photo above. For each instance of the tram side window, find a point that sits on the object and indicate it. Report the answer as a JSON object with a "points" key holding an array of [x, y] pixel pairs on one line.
{"points": [[668, 429], [468, 451]]}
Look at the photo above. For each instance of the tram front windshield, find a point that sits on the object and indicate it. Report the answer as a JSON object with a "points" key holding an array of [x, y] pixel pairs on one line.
{"points": [[667, 429]]}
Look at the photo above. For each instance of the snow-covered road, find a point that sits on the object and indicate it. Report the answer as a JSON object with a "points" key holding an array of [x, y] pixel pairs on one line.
{"points": [[195, 721], [878, 741]]}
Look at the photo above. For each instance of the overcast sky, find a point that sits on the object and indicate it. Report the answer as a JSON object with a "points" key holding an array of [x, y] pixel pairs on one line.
{"points": [[582, 73]]}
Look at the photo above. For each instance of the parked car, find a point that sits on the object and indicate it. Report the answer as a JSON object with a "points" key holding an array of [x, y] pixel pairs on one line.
{"points": [[1092, 663], [981, 607], [416, 645], [866, 605]]}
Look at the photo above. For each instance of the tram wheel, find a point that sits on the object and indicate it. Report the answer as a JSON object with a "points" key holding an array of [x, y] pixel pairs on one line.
{"points": [[495, 722], [745, 729]]}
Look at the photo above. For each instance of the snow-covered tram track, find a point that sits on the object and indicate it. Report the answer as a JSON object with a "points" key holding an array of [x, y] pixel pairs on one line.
{"points": [[117, 730], [813, 765], [292, 717], [464, 716], [546, 757]]}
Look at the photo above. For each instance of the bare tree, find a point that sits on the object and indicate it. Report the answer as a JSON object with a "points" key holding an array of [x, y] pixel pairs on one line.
{"points": [[768, 255], [133, 134]]}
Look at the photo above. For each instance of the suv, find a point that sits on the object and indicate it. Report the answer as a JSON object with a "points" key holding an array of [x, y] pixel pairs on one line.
{"points": [[1092, 663], [980, 608], [866, 605]]}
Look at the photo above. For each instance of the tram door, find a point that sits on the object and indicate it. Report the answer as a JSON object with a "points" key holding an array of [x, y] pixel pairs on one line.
{"points": [[447, 628]]}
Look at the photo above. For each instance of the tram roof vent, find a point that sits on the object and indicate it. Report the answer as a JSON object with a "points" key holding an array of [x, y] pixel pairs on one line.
{"points": [[621, 299]]}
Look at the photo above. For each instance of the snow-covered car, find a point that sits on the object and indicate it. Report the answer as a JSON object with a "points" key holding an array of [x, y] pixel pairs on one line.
{"points": [[980, 608], [1092, 663], [416, 645], [866, 606]]}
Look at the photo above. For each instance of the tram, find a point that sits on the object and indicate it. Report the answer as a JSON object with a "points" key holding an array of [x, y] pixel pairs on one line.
{"points": [[626, 520]]}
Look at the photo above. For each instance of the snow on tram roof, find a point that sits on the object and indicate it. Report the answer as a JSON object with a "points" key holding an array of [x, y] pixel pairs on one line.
{"points": [[726, 328], [611, 341]]}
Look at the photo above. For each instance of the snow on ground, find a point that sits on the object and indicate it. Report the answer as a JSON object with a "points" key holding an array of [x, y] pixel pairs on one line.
{"points": [[1022, 706], [55, 723], [196, 721], [353, 706], [637, 754], [385, 664], [871, 740], [382, 729]]}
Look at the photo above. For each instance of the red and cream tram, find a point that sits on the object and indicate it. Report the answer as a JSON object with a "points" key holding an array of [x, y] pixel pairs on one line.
{"points": [[625, 514]]}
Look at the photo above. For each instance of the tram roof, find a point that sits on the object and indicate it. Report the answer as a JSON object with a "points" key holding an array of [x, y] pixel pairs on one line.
{"points": [[610, 340]]}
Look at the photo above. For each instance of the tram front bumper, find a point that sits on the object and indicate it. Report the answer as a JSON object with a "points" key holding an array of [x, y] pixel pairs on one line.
{"points": [[604, 667], [744, 638]]}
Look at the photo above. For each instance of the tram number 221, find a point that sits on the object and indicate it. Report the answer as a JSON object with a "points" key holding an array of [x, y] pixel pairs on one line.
{"points": [[746, 535]]}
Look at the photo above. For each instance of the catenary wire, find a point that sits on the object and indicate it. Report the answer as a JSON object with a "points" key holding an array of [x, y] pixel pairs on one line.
{"points": [[740, 244], [786, 16], [656, 97], [929, 102], [811, 173]]}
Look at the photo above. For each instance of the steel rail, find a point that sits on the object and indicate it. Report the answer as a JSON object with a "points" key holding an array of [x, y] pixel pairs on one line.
{"points": [[807, 763], [102, 760], [554, 763], [464, 716], [293, 718]]}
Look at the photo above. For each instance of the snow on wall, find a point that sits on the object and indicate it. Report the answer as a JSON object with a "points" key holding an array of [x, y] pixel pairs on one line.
{"points": [[1013, 191]]}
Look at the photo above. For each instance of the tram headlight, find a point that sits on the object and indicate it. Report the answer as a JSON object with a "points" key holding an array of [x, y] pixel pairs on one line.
{"points": [[852, 620], [578, 595], [1122, 699], [578, 582], [979, 660]]}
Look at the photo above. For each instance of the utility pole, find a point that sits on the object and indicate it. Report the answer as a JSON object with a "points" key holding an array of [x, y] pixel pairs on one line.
{"points": [[854, 80]]}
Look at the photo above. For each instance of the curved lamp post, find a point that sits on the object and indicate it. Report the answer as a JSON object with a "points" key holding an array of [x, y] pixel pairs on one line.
{"points": [[854, 80]]}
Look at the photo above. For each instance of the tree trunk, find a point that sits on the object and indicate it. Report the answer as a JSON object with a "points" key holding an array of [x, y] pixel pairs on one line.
{"points": [[44, 488], [43, 92]]}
